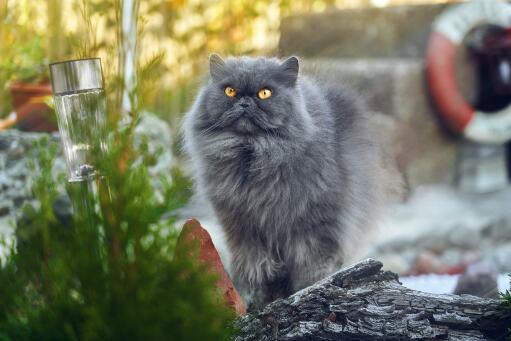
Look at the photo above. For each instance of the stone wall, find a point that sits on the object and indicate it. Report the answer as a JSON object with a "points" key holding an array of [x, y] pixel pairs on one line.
{"points": [[379, 52], [389, 32], [395, 92]]}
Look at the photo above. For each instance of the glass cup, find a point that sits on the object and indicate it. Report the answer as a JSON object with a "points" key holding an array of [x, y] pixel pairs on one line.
{"points": [[80, 104]]}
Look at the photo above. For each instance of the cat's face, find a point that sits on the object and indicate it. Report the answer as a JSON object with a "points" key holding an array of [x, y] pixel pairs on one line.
{"points": [[251, 96]]}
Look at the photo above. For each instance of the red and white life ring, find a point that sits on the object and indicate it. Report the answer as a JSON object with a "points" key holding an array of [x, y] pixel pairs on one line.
{"points": [[448, 32]]}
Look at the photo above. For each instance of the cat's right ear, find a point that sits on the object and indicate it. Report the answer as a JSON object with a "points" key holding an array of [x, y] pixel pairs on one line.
{"points": [[216, 66], [288, 72]]}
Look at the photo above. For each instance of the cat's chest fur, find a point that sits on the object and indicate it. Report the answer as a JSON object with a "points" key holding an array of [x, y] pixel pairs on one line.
{"points": [[260, 182], [246, 162]]}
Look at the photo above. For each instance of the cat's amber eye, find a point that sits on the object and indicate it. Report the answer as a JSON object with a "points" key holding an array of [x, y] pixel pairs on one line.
{"points": [[230, 91], [264, 93]]}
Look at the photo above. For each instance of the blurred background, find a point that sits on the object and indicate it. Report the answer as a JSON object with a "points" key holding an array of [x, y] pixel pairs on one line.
{"points": [[452, 223]]}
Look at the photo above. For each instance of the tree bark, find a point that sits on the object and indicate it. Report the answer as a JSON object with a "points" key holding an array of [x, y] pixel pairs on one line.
{"points": [[362, 302]]}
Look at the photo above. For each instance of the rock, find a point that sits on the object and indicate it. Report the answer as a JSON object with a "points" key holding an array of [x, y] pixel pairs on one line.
{"points": [[16, 146], [481, 168], [481, 285], [159, 137], [397, 244], [395, 263], [388, 32], [451, 257], [5, 207], [427, 262], [471, 256], [499, 230], [500, 257], [422, 149], [457, 228], [479, 280], [464, 237], [433, 241], [193, 232]]}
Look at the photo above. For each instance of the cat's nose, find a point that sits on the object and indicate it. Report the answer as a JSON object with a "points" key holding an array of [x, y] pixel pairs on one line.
{"points": [[244, 102]]}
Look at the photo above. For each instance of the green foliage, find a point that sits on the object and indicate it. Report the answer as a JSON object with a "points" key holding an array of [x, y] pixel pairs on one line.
{"points": [[27, 44], [189, 30], [29, 63], [108, 272], [506, 304]]}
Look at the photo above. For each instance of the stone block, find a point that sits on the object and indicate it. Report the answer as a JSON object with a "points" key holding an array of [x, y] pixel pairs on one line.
{"points": [[389, 32], [424, 151]]}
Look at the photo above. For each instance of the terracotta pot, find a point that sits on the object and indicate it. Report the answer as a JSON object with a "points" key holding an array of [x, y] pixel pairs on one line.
{"points": [[32, 112]]}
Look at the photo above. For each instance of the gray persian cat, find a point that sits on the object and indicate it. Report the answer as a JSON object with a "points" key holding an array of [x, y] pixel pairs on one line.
{"points": [[289, 168]]}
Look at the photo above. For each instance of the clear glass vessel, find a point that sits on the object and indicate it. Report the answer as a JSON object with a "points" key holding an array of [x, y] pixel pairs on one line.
{"points": [[80, 105]]}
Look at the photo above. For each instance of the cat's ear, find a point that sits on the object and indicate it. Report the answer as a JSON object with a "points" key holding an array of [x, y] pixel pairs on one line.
{"points": [[288, 71], [216, 66]]}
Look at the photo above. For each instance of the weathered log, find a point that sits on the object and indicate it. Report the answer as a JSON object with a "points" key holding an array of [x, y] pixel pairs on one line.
{"points": [[362, 302]]}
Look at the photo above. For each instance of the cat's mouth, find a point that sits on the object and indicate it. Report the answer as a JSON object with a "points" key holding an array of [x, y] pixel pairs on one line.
{"points": [[245, 122], [245, 125]]}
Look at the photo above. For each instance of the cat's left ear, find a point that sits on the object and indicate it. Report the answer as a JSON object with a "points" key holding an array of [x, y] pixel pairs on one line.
{"points": [[216, 66], [288, 71]]}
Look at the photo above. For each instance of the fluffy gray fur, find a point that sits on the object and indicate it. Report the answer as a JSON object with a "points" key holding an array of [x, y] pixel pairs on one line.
{"points": [[292, 178]]}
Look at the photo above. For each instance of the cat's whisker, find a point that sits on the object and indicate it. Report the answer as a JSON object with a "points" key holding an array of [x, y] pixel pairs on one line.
{"points": [[212, 127]]}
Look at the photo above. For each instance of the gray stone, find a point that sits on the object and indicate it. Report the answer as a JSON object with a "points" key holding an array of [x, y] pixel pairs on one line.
{"points": [[464, 237], [451, 257], [395, 263], [380, 53], [433, 241], [500, 257], [160, 142], [389, 32], [16, 177], [480, 279], [5, 207], [422, 150], [451, 224], [499, 230], [395, 245], [14, 151], [481, 168]]}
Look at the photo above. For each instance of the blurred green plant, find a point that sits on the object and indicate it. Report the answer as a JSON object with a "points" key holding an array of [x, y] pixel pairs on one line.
{"points": [[188, 30], [506, 305], [109, 274], [29, 63], [27, 45]]}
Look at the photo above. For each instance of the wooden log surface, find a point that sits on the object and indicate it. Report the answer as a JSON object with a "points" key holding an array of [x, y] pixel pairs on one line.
{"points": [[362, 302]]}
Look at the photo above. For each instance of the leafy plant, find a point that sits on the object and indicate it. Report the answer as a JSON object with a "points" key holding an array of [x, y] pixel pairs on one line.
{"points": [[29, 63], [506, 304], [107, 271], [27, 44], [111, 274]]}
